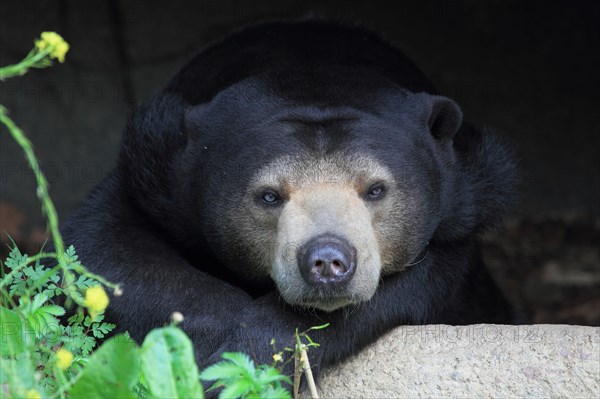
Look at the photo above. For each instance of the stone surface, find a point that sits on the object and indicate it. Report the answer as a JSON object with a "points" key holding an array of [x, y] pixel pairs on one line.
{"points": [[472, 361]]}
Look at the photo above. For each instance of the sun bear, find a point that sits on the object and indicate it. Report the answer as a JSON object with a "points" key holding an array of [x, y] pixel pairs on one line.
{"points": [[291, 175]]}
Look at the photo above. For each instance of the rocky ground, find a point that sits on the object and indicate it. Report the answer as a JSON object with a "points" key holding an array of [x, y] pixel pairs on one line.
{"points": [[478, 361]]}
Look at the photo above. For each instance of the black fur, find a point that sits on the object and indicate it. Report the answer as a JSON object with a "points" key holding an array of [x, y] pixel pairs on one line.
{"points": [[151, 224]]}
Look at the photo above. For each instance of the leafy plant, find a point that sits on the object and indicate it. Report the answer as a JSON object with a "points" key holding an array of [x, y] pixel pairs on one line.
{"points": [[41, 352], [165, 363], [48, 344], [34, 330], [240, 378], [169, 366]]}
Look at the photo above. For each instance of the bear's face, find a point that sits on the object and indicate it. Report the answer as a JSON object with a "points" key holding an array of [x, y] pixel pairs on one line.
{"points": [[324, 196], [326, 218]]}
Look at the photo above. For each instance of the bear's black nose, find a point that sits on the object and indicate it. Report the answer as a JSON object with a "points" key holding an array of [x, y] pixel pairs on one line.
{"points": [[327, 259]]}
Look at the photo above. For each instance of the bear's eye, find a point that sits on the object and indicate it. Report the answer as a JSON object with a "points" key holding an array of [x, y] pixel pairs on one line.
{"points": [[271, 197], [376, 191]]}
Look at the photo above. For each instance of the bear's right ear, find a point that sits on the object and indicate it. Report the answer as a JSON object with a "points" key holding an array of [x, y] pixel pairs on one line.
{"points": [[441, 115]]}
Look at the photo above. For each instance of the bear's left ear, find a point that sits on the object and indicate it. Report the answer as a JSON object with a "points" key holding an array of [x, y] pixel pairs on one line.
{"points": [[442, 116]]}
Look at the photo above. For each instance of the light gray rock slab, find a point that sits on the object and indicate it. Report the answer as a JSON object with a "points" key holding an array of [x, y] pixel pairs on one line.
{"points": [[472, 361]]}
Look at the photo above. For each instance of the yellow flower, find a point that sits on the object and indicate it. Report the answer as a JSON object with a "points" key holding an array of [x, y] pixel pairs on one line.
{"points": [[63, 359], [96, 300], [277, 358], [57, 45], [33, 394]]}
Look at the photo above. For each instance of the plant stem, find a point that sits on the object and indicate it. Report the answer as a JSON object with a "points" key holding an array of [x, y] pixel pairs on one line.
{"points": [[23, 66], [42, 183], [82, 270], [41, 255], [297, 376], [309, 375]]}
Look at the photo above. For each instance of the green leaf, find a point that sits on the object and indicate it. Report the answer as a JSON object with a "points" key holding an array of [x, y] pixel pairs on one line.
{"points": [[221, 371], [168, 365], [38, 301], [15, 259], [309, 339], [88, 321], [70, 252], [77, 318], [85, 282], [99, 330], [241, 360], [17, 376], [322, 326], [274, 393], [111, 372], [13, 337], [42, 318], [236, 389], [87, 344], [54, 310], [270, 374]]}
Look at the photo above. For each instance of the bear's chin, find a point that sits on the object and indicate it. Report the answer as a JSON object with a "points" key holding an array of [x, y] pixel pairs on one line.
{"points": [[327, 305]]}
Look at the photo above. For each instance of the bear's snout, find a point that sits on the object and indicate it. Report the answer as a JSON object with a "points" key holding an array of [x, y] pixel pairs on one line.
{"points": [[327, 261]]}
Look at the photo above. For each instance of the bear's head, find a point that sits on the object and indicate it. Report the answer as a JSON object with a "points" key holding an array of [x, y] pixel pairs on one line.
{"points": [[325, 192], [323, 180]]}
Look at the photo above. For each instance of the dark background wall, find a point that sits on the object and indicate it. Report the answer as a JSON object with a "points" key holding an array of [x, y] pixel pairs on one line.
{"points": [[527, 69]]}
